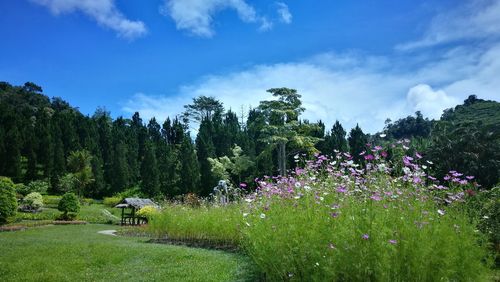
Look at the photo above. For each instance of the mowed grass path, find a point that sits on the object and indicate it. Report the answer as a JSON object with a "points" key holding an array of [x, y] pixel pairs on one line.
{"points": [[79, 253]]}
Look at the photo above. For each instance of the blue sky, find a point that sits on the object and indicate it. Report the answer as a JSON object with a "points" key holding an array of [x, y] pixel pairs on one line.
{"points": [[355, 61]]}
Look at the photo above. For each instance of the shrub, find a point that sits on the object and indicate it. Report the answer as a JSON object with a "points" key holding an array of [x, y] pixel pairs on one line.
{"points": [[51, 201], [112, 201], [39, 186], [32, 202], [68, 183], [8, 201], [21, 190], [148, 212], [69, 205]]}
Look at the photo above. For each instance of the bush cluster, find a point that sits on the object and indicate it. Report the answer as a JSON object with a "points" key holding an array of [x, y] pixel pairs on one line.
{"points": [[32, 202], [69, 205], [8, 201]]}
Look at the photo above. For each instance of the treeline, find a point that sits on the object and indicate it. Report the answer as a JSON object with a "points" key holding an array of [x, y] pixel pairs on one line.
{"points": [[48, 139]]}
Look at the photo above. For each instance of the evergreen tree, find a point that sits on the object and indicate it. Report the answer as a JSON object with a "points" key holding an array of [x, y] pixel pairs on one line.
{"points": [[205, 149], [357, 143], [150, 184], [189, 169]]}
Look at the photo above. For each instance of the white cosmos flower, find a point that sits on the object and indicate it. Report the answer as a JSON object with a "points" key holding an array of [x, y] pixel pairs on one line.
{"points": [[245, 214], [307, 188], [262, 216], [297, 184], [248, 200]]}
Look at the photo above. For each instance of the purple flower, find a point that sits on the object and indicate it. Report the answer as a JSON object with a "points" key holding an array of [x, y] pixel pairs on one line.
{"points": [[365, 237], [243, 185], [369, 157], [334, 214], [376, 198], [341, 189], [384, 154], [470, 177], [394, 242], [417, 180], [418, 155]]}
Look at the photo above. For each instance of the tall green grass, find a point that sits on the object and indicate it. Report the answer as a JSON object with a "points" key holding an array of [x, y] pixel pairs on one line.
{"points": [[212, 224]]}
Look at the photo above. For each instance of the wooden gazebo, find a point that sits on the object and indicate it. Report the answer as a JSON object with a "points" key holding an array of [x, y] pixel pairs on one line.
{"points": [[133, 204]]}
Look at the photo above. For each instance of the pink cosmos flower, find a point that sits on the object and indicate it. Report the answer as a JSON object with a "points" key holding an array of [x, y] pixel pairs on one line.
{"points": [[369, 157], [384, 154], [393, 242], [365, 237], [341, 189]]}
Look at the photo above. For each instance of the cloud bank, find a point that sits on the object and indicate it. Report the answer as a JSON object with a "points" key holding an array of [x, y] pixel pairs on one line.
{"points": [[104, 12]]}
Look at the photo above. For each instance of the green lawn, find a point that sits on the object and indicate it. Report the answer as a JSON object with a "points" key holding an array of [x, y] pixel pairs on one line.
{"points": [[79, 253]]}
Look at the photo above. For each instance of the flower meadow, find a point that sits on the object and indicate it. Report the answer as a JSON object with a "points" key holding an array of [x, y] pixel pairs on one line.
{"points": [[334, 220]]}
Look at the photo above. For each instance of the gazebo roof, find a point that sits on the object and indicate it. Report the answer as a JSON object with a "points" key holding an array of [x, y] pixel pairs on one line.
{"points": [[137, 203]]}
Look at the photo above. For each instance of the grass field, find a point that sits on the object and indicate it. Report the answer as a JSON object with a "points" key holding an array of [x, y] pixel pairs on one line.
{"points": [[79, 253]]}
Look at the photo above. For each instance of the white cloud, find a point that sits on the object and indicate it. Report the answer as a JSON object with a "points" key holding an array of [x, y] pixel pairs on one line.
{"points": [[478, 19], [197, 16], [352, 88], [429, 101], [104, 12], [284, 13]]}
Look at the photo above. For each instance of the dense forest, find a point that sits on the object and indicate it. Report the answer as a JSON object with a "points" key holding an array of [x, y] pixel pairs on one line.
{"points": [[46, 139]]}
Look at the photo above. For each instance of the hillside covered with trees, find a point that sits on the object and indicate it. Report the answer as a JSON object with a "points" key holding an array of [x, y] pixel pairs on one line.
{"points": [[47, 139]]}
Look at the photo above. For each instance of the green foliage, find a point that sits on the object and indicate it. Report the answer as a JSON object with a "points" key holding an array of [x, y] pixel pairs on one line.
{"points": [[8, 201], [33, 201], [69, 204], [231, 168], [283, 125], [79, 163], [149, 172], [148, 212], [357, 143], [473, 129], [38, 186], [112, 201], [51, 201], [68, 183]]}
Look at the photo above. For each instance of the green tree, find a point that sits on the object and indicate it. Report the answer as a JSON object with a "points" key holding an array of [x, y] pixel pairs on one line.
{"points": [[205, 150], [149, 172], [79, 163], [203, 107], [69, 205], [189, 168], [357, 143], [283, 123]]}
